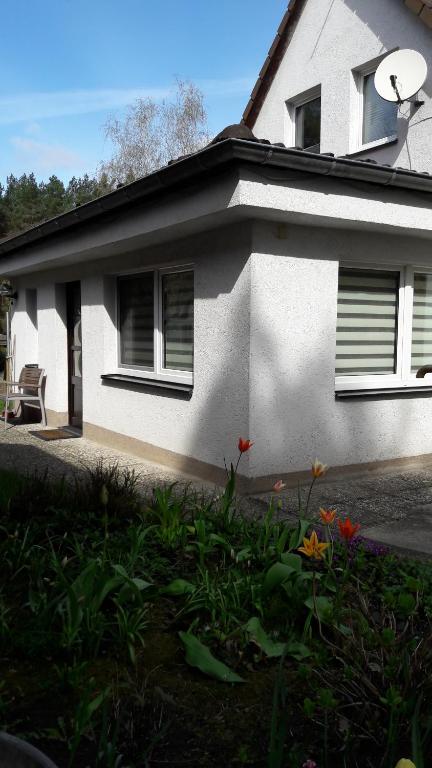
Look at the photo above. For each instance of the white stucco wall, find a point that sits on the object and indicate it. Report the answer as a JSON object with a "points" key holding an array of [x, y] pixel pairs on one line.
{"points": [[332, 38], [294, 415], [206, 426]]}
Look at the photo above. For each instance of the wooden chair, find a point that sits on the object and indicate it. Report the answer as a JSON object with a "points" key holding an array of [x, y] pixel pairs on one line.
{"points": [[27, 391]]}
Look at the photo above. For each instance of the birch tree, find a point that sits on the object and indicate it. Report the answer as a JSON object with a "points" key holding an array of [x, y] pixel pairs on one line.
{"points": [[152, 133]]}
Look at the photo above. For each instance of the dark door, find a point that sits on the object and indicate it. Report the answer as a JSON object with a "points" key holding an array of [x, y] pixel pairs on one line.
{"points": [[73, 311]]}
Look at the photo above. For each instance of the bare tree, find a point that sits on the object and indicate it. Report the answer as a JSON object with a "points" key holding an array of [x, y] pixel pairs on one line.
{"points": [[151, 134]]}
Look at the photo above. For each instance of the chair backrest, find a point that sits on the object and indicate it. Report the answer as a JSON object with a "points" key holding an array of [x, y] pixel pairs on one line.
{"points": [[31, 377]]}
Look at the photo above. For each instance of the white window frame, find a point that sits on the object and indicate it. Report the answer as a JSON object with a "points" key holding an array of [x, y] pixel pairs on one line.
{"points": [[359, 75], [157, 372], [403, 377], [291, 107]]}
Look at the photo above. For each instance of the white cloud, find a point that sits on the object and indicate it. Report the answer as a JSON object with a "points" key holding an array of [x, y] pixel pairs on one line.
{"points": [[31, 107], [45, 157], [32, 128]]}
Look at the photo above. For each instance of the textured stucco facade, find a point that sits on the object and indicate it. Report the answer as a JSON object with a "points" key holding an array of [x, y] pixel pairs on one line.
{"points": [[332, 40], [265, 337]]}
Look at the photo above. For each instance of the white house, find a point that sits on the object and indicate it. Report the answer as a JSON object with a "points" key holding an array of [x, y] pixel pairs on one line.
{"points": [[254, 289]]}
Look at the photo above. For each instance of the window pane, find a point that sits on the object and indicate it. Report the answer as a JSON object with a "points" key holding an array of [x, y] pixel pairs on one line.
{"points": [[308, 129], [421, 352], [178, 298], [379, 116], [136, 319], [366, 333]]}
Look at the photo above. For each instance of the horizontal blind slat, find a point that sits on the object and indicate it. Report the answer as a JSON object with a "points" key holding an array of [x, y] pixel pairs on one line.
{"points": [[366, 332], [178, 301], [136, 319]]}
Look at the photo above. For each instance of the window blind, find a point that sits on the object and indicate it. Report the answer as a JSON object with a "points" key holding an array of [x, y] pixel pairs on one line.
{"points": [[366, 334], [136, 319], [177, 316], [421, 350], [379, 116]]}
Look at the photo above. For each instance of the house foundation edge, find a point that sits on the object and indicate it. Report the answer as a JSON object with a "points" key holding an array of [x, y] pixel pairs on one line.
{"points": [[210, 473]]}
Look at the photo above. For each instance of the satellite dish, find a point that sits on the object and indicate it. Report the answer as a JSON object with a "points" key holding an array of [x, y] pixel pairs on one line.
{"points": [[400, 75]]}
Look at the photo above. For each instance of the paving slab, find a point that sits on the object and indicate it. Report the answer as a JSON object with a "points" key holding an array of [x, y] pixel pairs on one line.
{"points": [[412, 532]]}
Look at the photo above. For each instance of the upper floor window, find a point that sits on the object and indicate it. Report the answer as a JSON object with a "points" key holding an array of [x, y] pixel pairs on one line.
{"points": [[303, 127], [379, 116], [308, 125], [155, 322]]}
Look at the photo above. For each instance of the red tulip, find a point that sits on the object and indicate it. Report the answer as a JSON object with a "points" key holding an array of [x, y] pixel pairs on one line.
{"points": [[347, 529], [244, 445]]}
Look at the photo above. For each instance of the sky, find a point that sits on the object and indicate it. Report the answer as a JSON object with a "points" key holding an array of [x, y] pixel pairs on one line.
{"points": [[66, 65]]}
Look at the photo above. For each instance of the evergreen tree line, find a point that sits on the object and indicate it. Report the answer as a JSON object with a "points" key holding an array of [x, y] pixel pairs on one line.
{"points": [[24, 202], [147, 136]]}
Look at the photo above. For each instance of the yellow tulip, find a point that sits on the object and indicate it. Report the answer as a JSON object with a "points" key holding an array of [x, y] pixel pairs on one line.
{"points": [[405, 763], [312, 547]]}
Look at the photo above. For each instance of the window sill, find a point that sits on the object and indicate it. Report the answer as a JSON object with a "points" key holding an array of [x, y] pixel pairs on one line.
{"points": [[373, 145], [345, 394], [120, 378]]}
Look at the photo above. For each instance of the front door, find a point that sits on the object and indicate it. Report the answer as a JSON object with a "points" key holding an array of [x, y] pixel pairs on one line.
{"points": [[73, 311]]}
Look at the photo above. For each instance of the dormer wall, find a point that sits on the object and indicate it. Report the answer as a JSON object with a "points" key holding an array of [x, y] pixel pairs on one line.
{"points": [[335, 46]]}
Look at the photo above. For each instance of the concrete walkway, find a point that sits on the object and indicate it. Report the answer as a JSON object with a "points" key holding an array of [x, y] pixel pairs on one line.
{"points": [[393, 508]]}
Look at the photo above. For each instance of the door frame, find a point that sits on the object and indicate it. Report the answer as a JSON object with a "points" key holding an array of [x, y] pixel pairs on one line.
{"points": [[72, 289]]}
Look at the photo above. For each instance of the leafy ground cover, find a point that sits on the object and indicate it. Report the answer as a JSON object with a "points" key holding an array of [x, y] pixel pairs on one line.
{"points": [[180, 631]]}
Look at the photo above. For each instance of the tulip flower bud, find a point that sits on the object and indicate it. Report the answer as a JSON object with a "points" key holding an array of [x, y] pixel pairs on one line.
{"points": [[405, 763]]}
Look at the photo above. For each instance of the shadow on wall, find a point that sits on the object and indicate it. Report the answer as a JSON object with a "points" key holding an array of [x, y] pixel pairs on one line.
{"points": [[294, 415]]}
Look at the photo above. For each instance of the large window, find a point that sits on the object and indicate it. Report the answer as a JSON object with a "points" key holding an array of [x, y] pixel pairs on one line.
{"points": [[155, 322], [379, 116], [384, 327]]}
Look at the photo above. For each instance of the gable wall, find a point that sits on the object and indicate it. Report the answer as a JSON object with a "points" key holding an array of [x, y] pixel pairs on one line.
{"points": [[332, 38]]}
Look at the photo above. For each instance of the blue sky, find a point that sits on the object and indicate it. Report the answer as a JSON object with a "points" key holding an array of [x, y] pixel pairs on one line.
{"points": [[67, 64]]}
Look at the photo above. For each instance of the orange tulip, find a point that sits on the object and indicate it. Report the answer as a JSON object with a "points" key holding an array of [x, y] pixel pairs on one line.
{"points": [[278, 486], [312, 547], [327, 515], [244, 445], [347, 529], [318, 469]]}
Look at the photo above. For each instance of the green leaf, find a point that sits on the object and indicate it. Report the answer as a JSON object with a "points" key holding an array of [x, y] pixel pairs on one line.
{"points": [[179, 587], [276, 575], [323, 606], [406, 603], [261, 638], [297, 650], [297, 536], [295, 561], [199, 656]]}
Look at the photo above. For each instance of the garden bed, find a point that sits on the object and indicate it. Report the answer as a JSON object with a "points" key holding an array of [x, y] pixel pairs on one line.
{"points": [[177, 631]]}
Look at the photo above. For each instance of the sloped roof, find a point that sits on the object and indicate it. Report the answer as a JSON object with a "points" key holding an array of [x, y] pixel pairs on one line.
{"points": [[201, 166], [422, 9]]}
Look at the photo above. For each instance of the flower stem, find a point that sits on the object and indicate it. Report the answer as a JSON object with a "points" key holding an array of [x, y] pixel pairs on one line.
{"points": [[309, 495]]}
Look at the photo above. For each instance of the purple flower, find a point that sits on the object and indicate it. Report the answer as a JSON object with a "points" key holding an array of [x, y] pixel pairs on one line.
{"points": [[310, 764]]}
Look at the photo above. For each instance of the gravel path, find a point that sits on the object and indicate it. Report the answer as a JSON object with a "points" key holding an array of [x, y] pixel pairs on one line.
{"points": [[384, 504], [23, 452]]}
